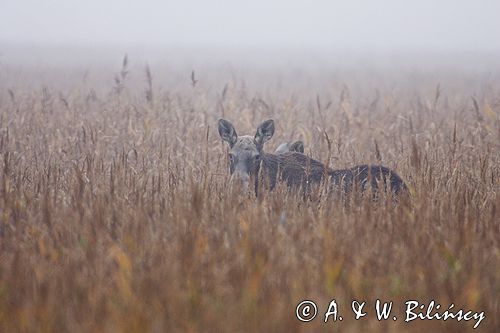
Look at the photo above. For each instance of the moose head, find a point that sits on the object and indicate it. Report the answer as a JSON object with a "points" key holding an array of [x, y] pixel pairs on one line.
{"points": [[246, 151]]}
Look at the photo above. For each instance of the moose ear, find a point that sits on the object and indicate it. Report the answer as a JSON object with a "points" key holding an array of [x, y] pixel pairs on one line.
{"points": [[297, 146], [264, 132], [227, 132]]}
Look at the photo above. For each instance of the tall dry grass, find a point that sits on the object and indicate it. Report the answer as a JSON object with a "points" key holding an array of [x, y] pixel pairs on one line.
{"points": [[115, 214]]}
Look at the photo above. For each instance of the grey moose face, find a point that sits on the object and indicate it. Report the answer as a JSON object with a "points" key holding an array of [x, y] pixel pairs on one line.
{"points": [[245, 152]]}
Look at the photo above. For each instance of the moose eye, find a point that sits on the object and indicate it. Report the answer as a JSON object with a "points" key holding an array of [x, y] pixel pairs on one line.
{"points": [[231, 158], [257, 158]]}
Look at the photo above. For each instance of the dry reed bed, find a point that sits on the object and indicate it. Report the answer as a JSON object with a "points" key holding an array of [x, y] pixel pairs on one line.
{"points": [[115, 214]]}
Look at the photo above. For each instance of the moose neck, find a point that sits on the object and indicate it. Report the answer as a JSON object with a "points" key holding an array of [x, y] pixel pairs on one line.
{"points": [[267, 172]]}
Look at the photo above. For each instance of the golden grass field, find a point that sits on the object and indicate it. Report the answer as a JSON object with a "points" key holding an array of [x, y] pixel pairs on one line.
{"points": [[115, 214]]}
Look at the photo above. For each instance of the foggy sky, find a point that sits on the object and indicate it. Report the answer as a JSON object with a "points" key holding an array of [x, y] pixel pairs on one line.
{"points": [[358, 25]]}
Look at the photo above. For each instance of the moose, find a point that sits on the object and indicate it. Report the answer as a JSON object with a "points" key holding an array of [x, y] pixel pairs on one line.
{"points": [[248, 161], [285, 147]]}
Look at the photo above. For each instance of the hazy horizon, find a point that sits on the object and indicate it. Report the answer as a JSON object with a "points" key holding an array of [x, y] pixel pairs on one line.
{"points": [[43, 40], [388, 26]]}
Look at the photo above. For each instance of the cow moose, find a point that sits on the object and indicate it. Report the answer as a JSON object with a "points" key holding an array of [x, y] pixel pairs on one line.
{"points": [[247, 161]]}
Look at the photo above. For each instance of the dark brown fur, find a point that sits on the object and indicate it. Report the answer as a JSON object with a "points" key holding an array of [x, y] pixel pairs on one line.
{"points": [[298, 170]]}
